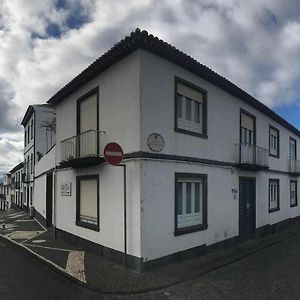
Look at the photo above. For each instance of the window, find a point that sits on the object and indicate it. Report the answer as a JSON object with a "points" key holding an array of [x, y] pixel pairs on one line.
{"points": [[190, 109], [274, 142], [88, 123], [25, 137], [293, 149], [31, 128], [31, 195], [31, 165], [28, 137], [190, 202], [247, 129], [293, 193], [87, 201], [273, 195]]}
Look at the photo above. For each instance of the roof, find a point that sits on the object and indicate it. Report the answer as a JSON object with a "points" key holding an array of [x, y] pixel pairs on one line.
{"points": [[17, 167], [30, 110], [141, 39]]}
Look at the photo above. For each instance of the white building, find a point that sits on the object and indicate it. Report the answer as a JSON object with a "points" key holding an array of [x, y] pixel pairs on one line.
{"points": [[17, 185], [38, 139], [5, 192], [207, 164]]}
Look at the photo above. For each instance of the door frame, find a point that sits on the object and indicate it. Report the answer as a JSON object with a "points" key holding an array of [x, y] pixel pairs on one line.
{"points": [[253, 179]]}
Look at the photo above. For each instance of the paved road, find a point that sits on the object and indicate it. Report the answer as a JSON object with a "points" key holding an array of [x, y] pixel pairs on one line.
{"points": [[273, 273]]}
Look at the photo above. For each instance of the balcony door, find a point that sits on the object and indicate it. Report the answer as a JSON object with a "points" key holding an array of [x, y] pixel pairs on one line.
{"points": [[247, 138], [88, 124]]}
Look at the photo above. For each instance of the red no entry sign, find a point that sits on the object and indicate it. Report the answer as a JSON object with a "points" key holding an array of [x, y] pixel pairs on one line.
{"points": [[113, 153]]}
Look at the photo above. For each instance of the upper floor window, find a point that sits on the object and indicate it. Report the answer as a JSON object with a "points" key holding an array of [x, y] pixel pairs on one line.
{"points": [[190, 109], [28, 137], [247, 129], [274, 142], [31, 128], [293, 149], [25, 136], [31, 163]]}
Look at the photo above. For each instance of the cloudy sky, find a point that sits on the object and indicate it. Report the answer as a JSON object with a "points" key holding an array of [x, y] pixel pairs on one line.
{"points": [[44, 44]]}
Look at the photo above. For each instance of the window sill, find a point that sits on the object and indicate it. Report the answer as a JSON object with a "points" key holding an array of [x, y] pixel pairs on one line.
{"points": [[180, 231], [274, 209], [88, 226], [201, 135], [294, 205]]}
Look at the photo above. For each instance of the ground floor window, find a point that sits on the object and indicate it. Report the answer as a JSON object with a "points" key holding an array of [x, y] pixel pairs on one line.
{"points": [[273, 195], [190, 202], [87, 201], [293, 193]]}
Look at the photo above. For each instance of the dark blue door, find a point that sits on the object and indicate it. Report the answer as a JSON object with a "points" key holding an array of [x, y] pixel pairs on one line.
{"points": [[246, 208]]}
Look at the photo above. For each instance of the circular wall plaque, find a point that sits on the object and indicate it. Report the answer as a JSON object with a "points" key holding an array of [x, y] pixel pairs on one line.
{"points": [[155, 142]]}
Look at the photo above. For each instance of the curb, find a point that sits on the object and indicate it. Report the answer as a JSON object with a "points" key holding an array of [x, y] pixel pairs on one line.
{"points": [[62, 272]]}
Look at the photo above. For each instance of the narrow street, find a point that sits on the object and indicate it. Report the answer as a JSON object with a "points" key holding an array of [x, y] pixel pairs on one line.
{"points": [[272, 273]]}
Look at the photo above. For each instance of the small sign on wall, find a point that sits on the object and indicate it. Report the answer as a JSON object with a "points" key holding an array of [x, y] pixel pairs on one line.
{"points": [[66, 189]]}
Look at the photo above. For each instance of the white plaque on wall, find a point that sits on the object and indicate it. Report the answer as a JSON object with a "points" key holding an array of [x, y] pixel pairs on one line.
{"points": [[66, 189], [155, 142]]}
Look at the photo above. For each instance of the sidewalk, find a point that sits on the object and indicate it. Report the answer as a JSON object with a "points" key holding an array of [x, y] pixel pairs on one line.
{"points": [[105, 276]]}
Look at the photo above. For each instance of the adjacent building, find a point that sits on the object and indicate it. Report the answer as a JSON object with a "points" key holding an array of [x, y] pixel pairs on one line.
{"points": [[39, 136], [17, 185]]}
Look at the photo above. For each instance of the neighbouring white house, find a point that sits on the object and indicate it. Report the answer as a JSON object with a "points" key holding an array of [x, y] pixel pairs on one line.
{"points": [[207, 164], [5, 192], [17, 185], [39, 137]]}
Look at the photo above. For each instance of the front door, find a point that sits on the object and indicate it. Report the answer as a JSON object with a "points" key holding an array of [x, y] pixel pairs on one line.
{"points": [[246, 208], [49, 200]]}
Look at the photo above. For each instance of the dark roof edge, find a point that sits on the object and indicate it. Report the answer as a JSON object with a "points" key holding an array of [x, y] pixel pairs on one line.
{"points": [[141, 39], [17, 167]]}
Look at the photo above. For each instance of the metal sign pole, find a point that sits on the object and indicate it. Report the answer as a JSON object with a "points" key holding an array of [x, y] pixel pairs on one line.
{"points": [[125, 214]]}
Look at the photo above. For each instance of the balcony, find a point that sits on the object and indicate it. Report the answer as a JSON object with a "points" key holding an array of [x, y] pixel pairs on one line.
{"points": [[82, 150], [252, 157], [294, 167]]}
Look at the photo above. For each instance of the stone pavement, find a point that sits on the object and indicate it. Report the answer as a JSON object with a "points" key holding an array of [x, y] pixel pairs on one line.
{"points": [[105, 276]]}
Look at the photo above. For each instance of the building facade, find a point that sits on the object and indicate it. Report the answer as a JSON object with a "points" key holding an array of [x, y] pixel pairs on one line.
{"points": [[17, 185], [38, 138], [206, 163]]}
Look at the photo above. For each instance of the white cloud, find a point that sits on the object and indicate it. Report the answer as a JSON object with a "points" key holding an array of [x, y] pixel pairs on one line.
{"points": [[255, 44]]}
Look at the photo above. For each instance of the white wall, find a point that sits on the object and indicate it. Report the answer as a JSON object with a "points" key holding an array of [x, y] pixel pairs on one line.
{"points": [[46, 163], [119, 117], [223, 121], [119, 108], [111, 206], [40, 195]]}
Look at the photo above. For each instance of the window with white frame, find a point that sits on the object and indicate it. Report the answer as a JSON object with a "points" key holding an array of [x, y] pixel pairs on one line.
{"points": [[293, 149], [247, 129], [273, 195], [274, 142], [293, 193], [87, 204], [190, 108], [191, 202]]}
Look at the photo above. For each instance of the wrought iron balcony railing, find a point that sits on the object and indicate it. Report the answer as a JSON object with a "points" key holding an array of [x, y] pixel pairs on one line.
{"points": [[252, 156], [85, 145], [294, 166]]}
